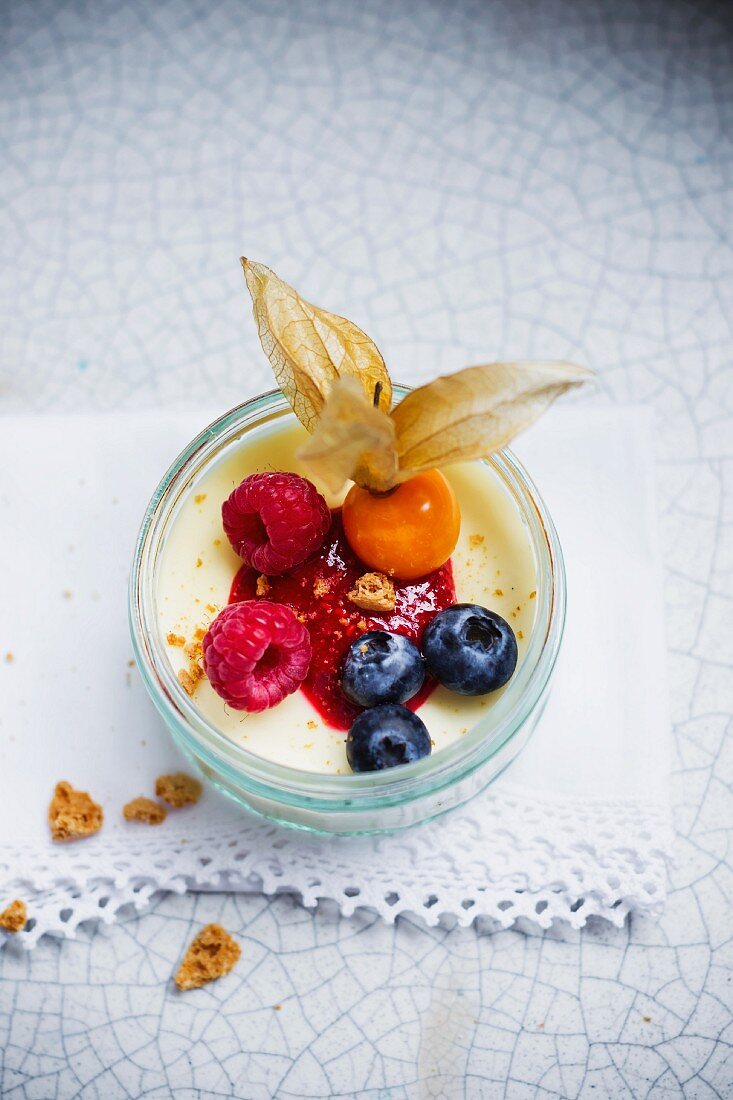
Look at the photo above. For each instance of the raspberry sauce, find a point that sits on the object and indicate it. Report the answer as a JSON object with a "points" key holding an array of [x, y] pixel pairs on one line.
{"points": [[317, 590]]}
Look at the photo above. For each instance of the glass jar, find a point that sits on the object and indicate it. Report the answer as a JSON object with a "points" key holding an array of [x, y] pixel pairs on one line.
{"points": [[344, 804]]}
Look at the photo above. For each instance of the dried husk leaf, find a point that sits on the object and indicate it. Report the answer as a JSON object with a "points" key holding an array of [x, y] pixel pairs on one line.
{"points": [[476, 411], [309, 348], [352, 440]]}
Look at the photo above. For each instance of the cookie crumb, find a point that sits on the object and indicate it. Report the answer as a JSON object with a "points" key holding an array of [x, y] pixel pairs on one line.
{"points": [[199, 563], [498, 592], [212, 608], [189, 678], [145, 810], [72, 814], [14, 916], [373, 592], [178, 789], [311, 724], [475, 540], [175, 639], [362, 624], [520, 634], [321, 588], [211, 955], [9, 658], [194, 650], [263, 585], [533, 595], [199, 634], [199, 498]]}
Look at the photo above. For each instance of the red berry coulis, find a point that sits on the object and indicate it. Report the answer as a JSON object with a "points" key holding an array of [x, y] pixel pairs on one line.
{"points": [[318, 589]]}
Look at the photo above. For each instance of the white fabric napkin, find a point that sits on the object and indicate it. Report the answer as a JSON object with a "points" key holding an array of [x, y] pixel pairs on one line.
{"points": [[578, 826]]}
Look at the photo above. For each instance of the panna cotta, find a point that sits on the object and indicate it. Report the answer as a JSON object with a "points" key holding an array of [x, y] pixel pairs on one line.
{"points": [[493, 565]]}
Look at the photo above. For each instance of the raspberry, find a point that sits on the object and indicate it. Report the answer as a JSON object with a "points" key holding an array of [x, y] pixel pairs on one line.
{"points": [[275, 521], [255, 653]]}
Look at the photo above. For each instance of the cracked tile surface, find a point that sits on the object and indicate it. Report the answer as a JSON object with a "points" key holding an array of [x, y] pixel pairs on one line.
{"points": [[466, 181]]}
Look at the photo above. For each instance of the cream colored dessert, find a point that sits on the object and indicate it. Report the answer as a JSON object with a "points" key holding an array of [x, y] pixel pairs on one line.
{"points": [[493, 565]]}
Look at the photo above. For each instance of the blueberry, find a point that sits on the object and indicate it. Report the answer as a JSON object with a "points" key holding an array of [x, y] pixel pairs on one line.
{"points": [[384, 736], [469, 649], [381, 668]]}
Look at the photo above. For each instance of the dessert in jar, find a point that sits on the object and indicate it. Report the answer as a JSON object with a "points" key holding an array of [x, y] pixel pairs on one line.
{"points": [[352, 589]]}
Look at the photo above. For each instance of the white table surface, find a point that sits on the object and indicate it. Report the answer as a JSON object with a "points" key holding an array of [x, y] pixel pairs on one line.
{"points": [[467, 181]]}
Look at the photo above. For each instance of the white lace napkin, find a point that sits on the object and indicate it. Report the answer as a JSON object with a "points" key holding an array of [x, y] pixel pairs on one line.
{"points": [[578, 826]]}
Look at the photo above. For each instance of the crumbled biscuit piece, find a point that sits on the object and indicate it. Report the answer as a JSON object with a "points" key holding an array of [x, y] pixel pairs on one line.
{"points": [[212, 608], [194, 650], [373, 592], [175, 639], [199, 498], [311, 724], [178, 789], [498, 592], [144, 809], [9, 658], [321, 588], [199, 563], [532, 595], [362, 624], [14, 916], [475, 540], [189, 677], [199, 634], [73, 814], [211, 955], [263, 585]]}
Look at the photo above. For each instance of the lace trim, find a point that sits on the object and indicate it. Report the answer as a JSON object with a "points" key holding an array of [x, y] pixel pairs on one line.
{"points": [[504, 857]]}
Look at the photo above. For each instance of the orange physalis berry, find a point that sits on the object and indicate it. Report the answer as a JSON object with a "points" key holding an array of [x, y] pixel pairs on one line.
{"points": [[408, 531]]}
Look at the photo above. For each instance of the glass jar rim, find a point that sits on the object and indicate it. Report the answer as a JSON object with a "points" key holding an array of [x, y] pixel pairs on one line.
{"points": [[265, 778]]}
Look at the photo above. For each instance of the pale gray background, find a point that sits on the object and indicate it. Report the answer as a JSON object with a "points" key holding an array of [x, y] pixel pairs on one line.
{"points": [[467, 181]]}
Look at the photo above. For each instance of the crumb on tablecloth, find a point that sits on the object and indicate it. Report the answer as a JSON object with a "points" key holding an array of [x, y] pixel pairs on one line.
{"points": [[178, 789], [73, 814], [145, 810], [14, 916], [211, 955]]}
